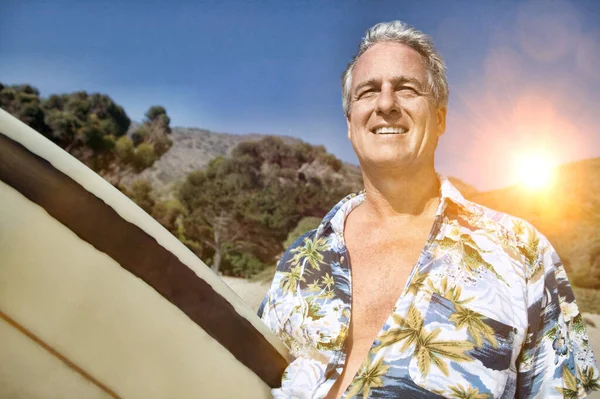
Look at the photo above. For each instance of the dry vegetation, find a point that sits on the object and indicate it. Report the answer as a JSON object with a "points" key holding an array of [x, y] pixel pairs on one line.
{"points": [[567, 212], [588, 300]]}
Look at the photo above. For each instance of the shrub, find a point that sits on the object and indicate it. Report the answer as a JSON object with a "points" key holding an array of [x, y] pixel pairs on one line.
{"points": [[167, 213], [144, 156], [141, 194], [125, 149], [242, 265], [304, 225]]}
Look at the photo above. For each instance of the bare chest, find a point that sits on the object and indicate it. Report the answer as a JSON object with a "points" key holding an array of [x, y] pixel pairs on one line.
{"points": [[380, 271], [381, 266]]}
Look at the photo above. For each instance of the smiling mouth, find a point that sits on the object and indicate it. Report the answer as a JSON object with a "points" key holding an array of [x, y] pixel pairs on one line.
{"points": [[390, 130]]}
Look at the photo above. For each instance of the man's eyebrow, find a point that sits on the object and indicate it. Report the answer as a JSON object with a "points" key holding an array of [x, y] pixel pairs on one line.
{"points": [[398, 79], [366, 83], [405, 79]]}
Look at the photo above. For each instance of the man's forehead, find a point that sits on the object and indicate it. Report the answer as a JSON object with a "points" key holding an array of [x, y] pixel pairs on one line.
{"points": [[389, 61], [395, 80]]}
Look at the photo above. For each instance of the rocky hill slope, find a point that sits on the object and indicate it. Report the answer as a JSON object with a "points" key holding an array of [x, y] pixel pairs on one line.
{"points": [[194, 148]]}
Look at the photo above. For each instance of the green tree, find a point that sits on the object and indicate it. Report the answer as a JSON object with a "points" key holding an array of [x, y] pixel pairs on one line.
{"points": [[64, 127], [157, 112], [331, 161], [214, 207], [147, 144], [80, 121], [24, 102], [155, 130]]}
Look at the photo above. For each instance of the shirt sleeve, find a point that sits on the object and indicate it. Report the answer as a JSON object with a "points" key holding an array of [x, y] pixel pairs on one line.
{"points": [[556, 360]]}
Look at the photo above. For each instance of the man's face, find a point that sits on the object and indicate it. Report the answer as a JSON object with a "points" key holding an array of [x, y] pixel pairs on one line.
{"points": [[394, 122]]}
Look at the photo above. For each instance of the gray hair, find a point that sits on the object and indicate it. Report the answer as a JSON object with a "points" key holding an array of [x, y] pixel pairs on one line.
{"points": [[400, 32]]}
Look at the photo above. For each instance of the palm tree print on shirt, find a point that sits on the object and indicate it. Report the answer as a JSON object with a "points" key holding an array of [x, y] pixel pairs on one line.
{"points": [[453, 294], [569, 390], [369, 376], [289, 280], [458, 392], [476, 327], [588, 380], [417, 283], [311, 252], [427, 349]]}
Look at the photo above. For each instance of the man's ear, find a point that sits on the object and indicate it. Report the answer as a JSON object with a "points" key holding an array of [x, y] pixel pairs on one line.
{"points": [[441, 119]]}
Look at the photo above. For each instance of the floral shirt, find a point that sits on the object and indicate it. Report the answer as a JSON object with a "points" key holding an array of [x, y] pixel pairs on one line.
{"points": [[487, 312]]}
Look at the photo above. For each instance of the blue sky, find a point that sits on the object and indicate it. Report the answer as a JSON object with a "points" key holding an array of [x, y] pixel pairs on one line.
{"points": [[523, 76]]}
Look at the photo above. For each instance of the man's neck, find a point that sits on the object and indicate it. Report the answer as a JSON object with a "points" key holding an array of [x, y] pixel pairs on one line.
{"points": [[401, 195]]}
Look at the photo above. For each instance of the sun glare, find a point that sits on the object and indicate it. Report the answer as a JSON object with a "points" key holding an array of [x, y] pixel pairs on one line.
{"points": [[534, 169]]}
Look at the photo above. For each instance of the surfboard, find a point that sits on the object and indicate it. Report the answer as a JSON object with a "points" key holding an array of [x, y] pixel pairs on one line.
{"points": [[98, 300]]}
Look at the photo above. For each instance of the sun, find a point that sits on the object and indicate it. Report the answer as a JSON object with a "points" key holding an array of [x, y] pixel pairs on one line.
{"points": [[535, 169]]}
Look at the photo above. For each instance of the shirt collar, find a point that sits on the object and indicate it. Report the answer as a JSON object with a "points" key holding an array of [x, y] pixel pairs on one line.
{"points": [[336, 217]]}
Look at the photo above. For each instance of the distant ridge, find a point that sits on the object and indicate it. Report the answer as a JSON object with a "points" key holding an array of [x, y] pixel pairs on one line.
{"points": [[192, 149], [567, 212]]}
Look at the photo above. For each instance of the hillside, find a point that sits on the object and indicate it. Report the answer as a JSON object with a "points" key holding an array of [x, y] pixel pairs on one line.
{"points": [[567, 212], [194, 148]]}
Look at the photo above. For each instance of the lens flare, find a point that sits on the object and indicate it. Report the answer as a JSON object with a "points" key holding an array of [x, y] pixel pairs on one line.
{"points": [[535, 169]]}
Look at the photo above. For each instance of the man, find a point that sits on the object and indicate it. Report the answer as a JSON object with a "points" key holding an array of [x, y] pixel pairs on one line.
{"points": [[407, 290]]}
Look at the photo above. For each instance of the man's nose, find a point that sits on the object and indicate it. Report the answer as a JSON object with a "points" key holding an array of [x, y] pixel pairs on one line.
{"points": [[387, 101]]}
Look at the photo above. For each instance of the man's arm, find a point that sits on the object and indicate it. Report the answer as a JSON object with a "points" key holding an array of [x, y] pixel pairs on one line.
{"points": [[557, 360]]}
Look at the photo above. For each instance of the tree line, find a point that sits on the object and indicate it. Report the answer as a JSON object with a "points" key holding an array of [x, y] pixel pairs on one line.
{"points": [[237, 214], [92, 128]]}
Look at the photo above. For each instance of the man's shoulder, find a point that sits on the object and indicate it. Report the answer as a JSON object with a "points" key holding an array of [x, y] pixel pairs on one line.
{"points": [[511, 232], [487, 220], [503, 220]]}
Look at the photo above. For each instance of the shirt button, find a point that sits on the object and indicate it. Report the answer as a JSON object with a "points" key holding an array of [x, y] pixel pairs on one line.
{"points": [[342, 259]]}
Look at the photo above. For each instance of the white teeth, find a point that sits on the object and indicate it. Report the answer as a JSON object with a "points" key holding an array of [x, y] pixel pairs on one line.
{"points": [[390, 130]]}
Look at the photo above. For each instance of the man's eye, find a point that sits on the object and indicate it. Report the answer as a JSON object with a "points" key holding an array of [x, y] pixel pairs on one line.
{"points": [[408, 89], [366, 93]]}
